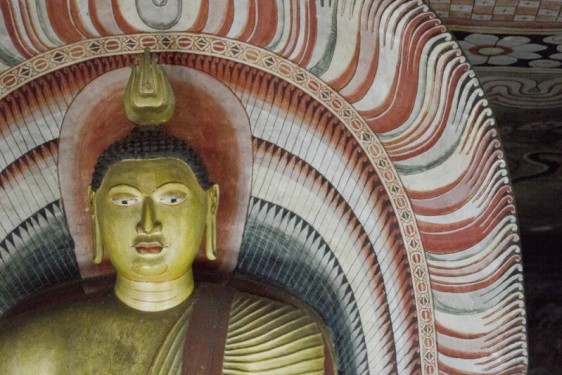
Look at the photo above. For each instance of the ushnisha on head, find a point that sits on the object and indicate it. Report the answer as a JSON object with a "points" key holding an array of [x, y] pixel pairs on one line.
{"points": [[151, 201]]}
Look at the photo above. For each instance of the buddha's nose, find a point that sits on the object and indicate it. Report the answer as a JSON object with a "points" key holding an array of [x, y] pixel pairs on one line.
{"points": [[148, 223]]}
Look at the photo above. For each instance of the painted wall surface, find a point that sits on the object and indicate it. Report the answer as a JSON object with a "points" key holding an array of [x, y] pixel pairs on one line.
{"points": [[374, 180]]}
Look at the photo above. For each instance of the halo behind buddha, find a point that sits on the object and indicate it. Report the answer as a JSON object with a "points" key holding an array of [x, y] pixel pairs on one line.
{"points": [[208, 117]]}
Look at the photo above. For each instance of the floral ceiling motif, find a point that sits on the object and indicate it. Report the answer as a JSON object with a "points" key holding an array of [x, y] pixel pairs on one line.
{"points": [[535, 51]]}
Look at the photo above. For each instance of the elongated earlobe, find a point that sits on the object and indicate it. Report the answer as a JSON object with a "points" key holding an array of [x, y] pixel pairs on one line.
{"points": [[96, 234], [98, 246], [211, 241], [211, 222]]}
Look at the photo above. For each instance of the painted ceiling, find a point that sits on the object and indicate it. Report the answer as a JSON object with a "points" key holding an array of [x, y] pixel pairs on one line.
{"points": [[518, 14], [516, 52]]}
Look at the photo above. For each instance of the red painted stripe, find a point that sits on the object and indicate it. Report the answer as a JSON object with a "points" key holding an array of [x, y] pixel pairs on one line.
{"points": [[13, 31], [95, 17], [250, 23], [199, 23], [77, 20], [264, 25], [310, 31], [30, 30], [120, 19], [61, 21], [228, 19]]}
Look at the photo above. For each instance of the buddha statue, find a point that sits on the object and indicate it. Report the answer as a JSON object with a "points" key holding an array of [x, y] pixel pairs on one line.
{"points": [[152, 205]]}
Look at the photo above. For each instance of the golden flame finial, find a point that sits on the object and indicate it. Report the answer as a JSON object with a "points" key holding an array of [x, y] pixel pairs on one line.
{"points": [[149, 99]]}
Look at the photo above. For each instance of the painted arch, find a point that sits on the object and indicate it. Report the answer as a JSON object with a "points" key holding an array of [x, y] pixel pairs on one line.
{"points": [[378, 189]]}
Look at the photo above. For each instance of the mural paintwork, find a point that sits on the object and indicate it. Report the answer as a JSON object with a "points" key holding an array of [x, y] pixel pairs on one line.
{"points": [[375, 163], [499, 13]]}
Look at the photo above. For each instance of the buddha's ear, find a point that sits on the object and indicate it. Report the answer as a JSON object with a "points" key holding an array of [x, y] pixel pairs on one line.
{"points": [[211, 222], [96, 234]]}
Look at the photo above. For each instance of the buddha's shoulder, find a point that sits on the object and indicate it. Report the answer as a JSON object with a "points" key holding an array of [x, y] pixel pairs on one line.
{"points": [[31, 336], [53, 319], [81, 334]]}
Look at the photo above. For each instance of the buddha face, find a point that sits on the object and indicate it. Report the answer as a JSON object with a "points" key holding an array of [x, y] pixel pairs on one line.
{"points": [[151, 216]]}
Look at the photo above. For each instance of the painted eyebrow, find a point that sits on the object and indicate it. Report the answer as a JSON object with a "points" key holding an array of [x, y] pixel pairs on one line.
{"points": [[175, 187], [172, 185], [123, 188]]}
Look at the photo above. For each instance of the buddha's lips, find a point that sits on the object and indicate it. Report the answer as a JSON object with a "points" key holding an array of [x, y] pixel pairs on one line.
{"points": [[149, 247]]}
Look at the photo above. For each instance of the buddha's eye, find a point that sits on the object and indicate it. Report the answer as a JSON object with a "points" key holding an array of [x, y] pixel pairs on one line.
{"points": [[172, 198], [124, 201]]}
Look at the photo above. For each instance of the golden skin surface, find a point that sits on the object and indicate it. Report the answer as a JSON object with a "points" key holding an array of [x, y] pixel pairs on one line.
{"points": [[151, 217]]}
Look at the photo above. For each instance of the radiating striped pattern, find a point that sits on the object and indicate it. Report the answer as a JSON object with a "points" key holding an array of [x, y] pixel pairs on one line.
{"points": [[37, 254], [347, 223], [309, 172], [312, 167], [36, 250], [406, 77], [283, 262]]}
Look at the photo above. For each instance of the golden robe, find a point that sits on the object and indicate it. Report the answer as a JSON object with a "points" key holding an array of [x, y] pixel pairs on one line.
{"points": [[98, 334]]}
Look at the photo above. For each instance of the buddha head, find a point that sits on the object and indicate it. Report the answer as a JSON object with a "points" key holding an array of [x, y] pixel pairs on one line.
{"points": [[150, 197], [152, 204]]}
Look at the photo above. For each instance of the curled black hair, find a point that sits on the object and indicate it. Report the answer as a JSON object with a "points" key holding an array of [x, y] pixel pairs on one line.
{"points": [[150, 143]]}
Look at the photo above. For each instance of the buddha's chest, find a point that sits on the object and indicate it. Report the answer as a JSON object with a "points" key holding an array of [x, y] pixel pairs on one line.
{"points": [[115, 344]]}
